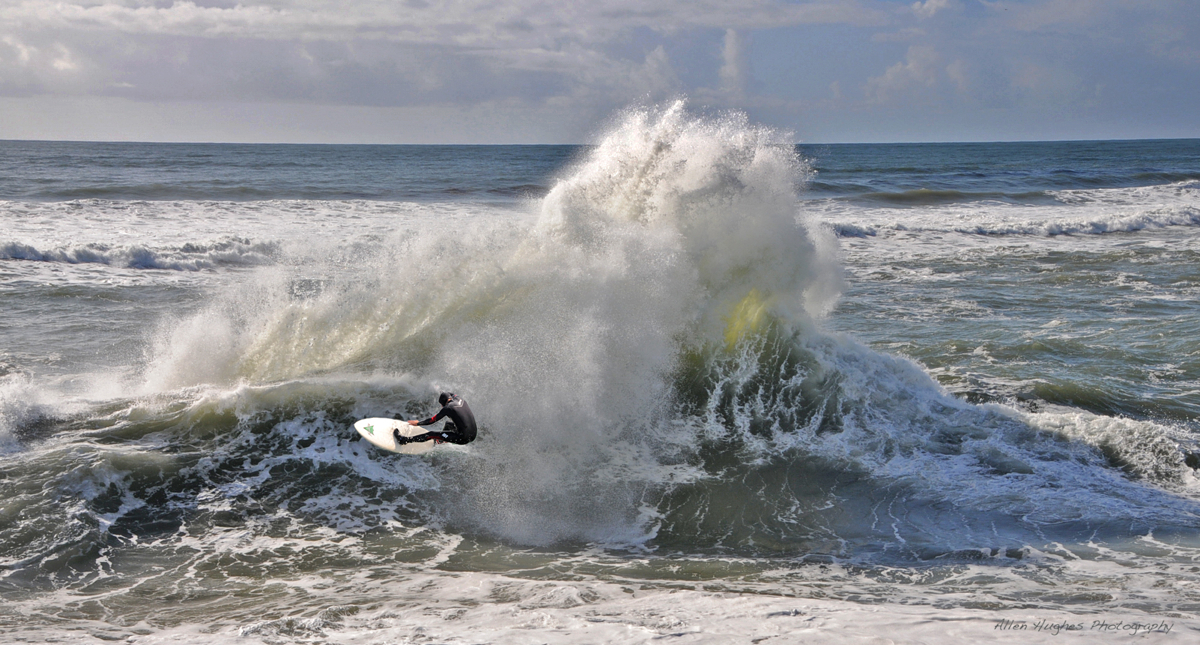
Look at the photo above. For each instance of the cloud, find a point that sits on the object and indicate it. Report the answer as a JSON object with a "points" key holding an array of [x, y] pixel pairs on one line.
{"points": [[735, 71], [796, 64], [474, 23], [918, 72], [928, 8], [369, 52]]}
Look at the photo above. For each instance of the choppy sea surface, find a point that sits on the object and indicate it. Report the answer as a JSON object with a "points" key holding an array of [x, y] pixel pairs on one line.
{"points": [[730, 390]]}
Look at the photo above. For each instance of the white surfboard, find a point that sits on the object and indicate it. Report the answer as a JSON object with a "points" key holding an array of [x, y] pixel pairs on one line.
{"points": [[379, 432]]}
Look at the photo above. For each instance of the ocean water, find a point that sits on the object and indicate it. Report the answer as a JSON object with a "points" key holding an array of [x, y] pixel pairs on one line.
{"points": [[730, 390]]}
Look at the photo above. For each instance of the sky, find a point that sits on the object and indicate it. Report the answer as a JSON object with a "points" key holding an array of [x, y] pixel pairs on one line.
{"points": [[557, 71]]}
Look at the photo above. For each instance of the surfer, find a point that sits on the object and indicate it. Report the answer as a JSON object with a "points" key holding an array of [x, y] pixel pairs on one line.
{"points": [[459, 428]]}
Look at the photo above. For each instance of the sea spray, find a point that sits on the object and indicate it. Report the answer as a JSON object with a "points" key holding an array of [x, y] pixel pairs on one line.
{"points": [[662, 444], [648, 337], [644, 250], [565, 330]]}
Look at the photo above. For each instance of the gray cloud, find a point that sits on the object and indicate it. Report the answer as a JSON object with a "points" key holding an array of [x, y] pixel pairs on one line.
{"points": [[819, 67], [919, 72], [357, 53], [465, 23]]}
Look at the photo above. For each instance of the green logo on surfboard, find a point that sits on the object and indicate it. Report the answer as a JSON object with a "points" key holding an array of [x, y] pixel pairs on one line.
{"points": [[370, 429]]}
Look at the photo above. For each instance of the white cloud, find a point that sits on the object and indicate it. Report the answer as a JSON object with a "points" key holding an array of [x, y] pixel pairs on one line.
{"points": [[374, 52], [735, 70], [861, 61], [917, 72], [64, 61], [475, 23], [928, 8], [23, 53]]}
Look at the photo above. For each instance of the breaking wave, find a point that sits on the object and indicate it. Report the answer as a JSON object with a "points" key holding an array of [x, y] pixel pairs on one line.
{"points": [[644, 351], [230, 252], [644, 348], [1104, 211]]}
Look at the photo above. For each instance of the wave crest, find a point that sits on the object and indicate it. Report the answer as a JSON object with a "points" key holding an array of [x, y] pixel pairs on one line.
{"points": [[230, 252], [642, 353]]}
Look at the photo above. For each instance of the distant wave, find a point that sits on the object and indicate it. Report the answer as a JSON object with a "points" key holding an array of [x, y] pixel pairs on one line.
{"points": [[852, 230], [218, 191], [1159, 219], [188, 257], [1070, 212], [997, 191], [157, 192], [1156, 177], [927, 197], [521, 190], [1127, 224]]}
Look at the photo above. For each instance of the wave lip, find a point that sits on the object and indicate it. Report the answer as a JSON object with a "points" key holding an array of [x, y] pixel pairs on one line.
{"points": [[232, 252], [1151, 220], [1096, 212], [935, 196], [672, 267], [560, 326], [157, 192], [1156, 219]]}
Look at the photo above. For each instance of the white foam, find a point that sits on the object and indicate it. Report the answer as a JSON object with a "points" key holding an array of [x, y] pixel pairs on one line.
{"points": [[1147, 449], [199, 235], [17, 405], [26, 399], [559, 326], [894, 423], [563, 326], [481, 607], [1078, 212], [190, 257]]}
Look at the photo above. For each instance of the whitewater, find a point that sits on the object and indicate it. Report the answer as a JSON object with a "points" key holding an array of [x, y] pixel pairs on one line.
{"points": [[729, 390]]}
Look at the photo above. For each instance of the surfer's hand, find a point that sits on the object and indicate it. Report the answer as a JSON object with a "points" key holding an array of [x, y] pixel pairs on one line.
{"points": [[413, 422]]}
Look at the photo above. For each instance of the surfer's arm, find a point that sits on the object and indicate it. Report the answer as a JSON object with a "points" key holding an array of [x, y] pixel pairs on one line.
{"points": [[441, 413]]}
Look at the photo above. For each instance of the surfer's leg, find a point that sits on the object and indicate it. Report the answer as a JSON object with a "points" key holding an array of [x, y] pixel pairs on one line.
{"points": [[440, 437], [423, 437], [450, 434], [401, 439]]}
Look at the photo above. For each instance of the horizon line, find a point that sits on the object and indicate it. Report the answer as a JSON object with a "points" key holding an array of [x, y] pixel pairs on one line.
{"points": [[531, 145]]}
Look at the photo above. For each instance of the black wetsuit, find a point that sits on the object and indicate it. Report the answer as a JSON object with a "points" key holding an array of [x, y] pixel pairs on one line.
{"points": [[460, 424]]}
